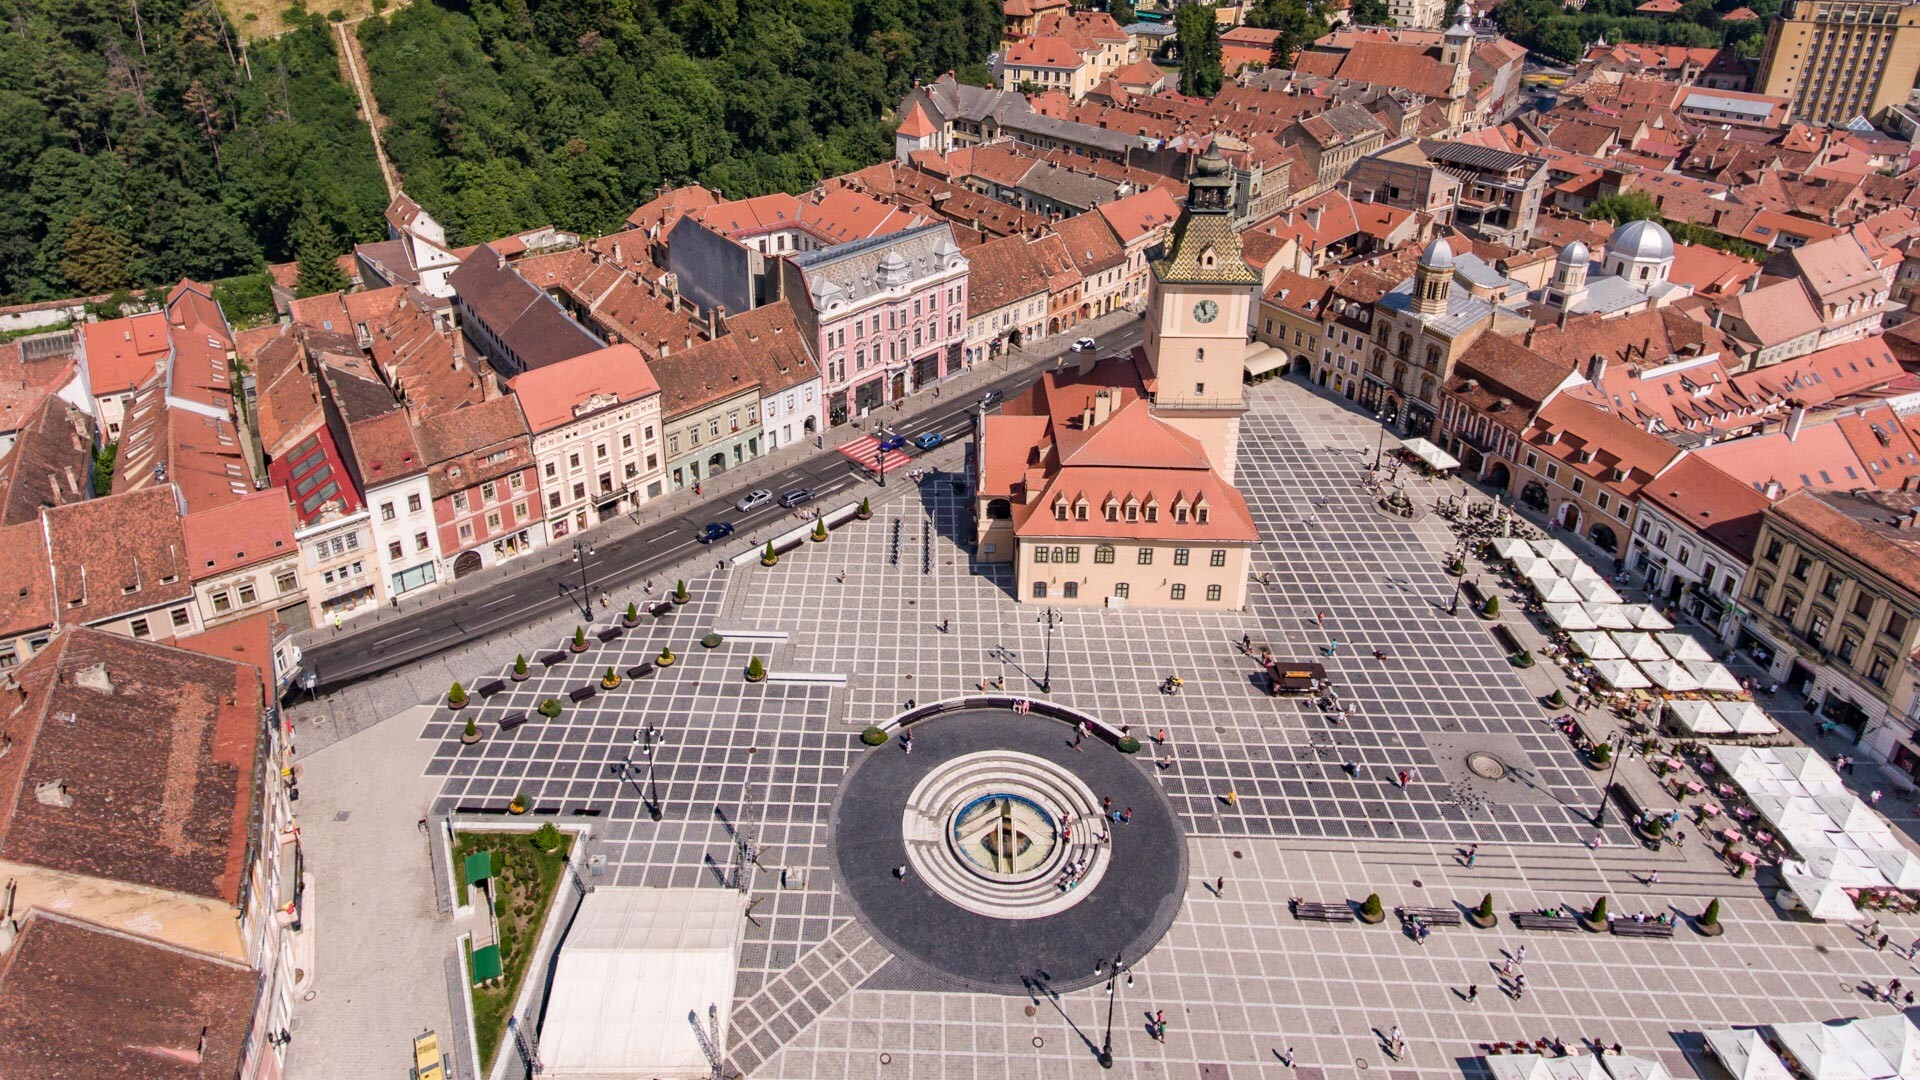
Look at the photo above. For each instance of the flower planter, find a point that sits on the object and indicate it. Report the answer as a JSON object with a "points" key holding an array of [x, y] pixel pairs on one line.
{"points": [[629, 621], [609, 684], [1595, 765], [1474, 920], [665, 659], [1712, 929], [521, 676], [577, 646], [517, 806]]}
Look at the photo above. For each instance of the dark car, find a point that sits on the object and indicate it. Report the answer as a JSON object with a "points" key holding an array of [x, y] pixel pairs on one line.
{"points": [[795, 497], [990, 398], [929, 440], [717, 530], [893, 442]]}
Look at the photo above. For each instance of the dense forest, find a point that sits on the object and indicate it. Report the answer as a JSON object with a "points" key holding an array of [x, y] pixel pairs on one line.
{"points": [[504, 114], [142, 145], [1554, 32]]}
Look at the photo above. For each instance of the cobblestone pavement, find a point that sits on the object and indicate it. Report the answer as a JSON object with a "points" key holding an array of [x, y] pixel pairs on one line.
{"points": [[895, 608]]}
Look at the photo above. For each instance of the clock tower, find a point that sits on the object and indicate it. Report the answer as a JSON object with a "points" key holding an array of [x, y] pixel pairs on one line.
{"points": [[1199, 304]]}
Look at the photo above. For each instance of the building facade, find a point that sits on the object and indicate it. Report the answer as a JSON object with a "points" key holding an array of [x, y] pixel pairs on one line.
{"points": [[1840, 60], [595, 424]]}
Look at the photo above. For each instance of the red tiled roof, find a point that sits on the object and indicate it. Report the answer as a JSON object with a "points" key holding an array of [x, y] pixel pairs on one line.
{"points": [[116, 555], [1139, 214], [123, 353], [1715, 504], [251, 530]]}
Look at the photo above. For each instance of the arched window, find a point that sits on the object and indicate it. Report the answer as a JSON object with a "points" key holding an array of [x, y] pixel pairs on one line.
{"points": [[1433, 356], [999, 510], [1103, 553]]}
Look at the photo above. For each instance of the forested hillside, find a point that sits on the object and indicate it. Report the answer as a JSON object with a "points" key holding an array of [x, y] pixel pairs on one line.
{"points": [[137, 149], [511, 113], [1553, 31]]}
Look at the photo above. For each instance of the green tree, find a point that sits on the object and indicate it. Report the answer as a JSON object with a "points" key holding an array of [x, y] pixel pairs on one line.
{"points": [[103, 460], [1622, 207], [316, 247], [96, 258], [1370, 13], [1198, 33], [1122, 12], [1300, 23]]}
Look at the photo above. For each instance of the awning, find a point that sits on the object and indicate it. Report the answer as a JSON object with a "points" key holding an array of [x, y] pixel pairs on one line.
{"points": [[1512, 548], [1747, 718], [1683, 647], [1569, 617], [486, 963], [1622, 1067], [1432, 455], [1668, 675], [1620, 674], [1823, 898], [478, 867], [1262, 361], [1825, 1052], [1596, 646], [1698, 718], [635, 978], [1713, 675], [1638, 646], [1746, 1055], [1595, 591], [1643, 617]]}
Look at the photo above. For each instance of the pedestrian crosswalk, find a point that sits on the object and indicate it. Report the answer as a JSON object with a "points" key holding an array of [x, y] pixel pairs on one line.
{"points": [[866, 451]]}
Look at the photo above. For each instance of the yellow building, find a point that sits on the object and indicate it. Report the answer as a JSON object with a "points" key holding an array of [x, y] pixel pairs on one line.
{"points": [[1111, 482], [1838, 61]]}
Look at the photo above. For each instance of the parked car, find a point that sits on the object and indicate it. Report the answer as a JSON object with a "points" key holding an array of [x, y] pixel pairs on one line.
{"points": [[991, 398], [929, 440], [893, 442], [796, 497], [716, 530], [753, 500], [1084, 344]]}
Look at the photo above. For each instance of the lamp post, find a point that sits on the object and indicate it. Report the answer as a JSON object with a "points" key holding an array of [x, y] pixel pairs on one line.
{"points": [[1380, 446], [1052, 618], [647, 738], [1113, 977], [880, 464], [581, 553], [1460, 579], [1600, 812]]}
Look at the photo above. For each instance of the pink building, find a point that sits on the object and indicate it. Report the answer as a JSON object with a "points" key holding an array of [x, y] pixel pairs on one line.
{"points": [[887, 316]]}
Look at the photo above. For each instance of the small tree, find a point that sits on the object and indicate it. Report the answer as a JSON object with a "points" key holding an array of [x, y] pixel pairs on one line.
{"points": [[866, 510], [1485, 910], [520, 664], [767, 557], [1128, 744], [546, 837], [1602, 753], [457, 696], [1557, 700], [473, 730], [680, 590], [873, 736], [1711, 916], [1599, 914], [633, 612], [665, 659], [612, 677], [819, 530], [1491, 608], [579, 637], [756, 670], [1370, 908]]}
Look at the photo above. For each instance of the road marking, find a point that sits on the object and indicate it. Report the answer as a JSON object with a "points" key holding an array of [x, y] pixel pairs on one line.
{"points": [[497, 603]]}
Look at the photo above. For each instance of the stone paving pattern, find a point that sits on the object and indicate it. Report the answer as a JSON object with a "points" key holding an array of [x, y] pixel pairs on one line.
{"points": [[1238, 978]]}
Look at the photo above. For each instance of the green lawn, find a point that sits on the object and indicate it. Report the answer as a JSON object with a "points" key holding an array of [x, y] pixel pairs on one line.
{"points": [[527, 878]]}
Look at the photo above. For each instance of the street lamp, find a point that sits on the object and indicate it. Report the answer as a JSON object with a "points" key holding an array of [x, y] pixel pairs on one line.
{"points": [[1600, 812], [581, 553], [1052, 618], [1380, 447], [1113, 976], [880, 464], [1460, 579], [646, 739]]}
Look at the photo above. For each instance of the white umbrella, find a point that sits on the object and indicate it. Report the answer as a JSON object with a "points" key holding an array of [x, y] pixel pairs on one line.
{"points": [[1668, 675], [1518, 1067], [1638, 646], [1643, 617], [1712, 675], [1596, 646], [1901, 868], [1620, 674], [1566, 565], [1746, 1055], [1622, 1067], [1511, 548], [1683, 647], [1849, 814], [1897, 1040], [1698, 718], [1809, 769], [1527, 565], [1823, 898], [1552, 548], [1569, 617], [1610, 616], [1576, 1068], [1595, 591], [1821, 1051], [1787, 812], [1557, 591], [1746, 717]]}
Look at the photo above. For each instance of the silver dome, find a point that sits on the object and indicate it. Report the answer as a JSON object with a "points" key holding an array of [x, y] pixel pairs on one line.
{"points": [[1641, 240], [1575, 254], [1438, 255]]}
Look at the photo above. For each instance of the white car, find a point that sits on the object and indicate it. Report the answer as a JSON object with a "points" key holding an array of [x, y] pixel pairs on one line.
{"points": [[753, 500], [1084, 344]]}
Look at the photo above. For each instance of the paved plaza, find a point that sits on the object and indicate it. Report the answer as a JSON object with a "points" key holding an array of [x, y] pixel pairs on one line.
{"points": [[893, 610]]}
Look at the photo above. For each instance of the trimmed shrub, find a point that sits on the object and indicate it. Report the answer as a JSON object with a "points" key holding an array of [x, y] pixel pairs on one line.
{"points": [[819, 530], [756, 670], [866, 510], [1485, 910], [1521, 659], [520, 664], [680, 591], [767, 557], [1371, 909], [546, 837], [1711, 916], [1599, 913], [712, 641], [1129, 745], [457, 696], [473, 729], [873, 736], [579, 637], [1602, 753], [550, 708], [1491, 607], [633, 612], [1557, 700], [665, 659]]}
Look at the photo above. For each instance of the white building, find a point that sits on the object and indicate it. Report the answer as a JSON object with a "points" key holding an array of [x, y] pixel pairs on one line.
{"points": [[393, 475], [595, 423]]}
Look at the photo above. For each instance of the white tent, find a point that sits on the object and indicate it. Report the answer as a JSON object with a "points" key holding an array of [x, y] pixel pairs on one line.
{"points": [[1566, 565], [1594, 590], [1746, 1055], [1896, 1039], [1789, 813], [1900, 868], [1556, 590], [1682, 647], [1262, 360], [637, 971], [1512, 548], [1596, 646], [1569, 617], [1850, 814], [1698, 718], [1823, 1053], [1528, 565], [1644, 617], [1579, 1067], [1610, 616], [1712, 675], [1809, 769], [1623, 1067], [1746, 717], [1668, 675], [1824, 898], [1638, 646], [1552, 548], [1518, 1067], [1434, 456], [1620, 674]]}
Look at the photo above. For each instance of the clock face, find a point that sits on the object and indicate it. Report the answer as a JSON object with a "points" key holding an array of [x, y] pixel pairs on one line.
{"points": [[1206, 311]]}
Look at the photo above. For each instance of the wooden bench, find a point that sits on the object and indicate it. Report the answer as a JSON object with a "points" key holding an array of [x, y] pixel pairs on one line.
{"points": [[1528, 920], [1323, 912], [1650, 928], [554, 657], [1435, 916], [490, 687], [512, 720], [582, 693], [660, 610], [610, 633], [642, 670]]}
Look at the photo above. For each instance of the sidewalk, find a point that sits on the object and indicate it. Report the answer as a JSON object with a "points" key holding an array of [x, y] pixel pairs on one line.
{"points": [[722, 489]]}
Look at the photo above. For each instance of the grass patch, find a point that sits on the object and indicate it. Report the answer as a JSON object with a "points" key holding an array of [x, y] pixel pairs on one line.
{"points": [[29, 331], [247, 299], [526, 879]]}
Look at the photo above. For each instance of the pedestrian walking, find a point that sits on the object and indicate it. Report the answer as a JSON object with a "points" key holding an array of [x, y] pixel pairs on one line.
{"points": [[1519, 987], [1404, 777], [1350, 767], [1233, 797], [1653, 878], [1320, 618], [1421, 935], [1160, 736], [1333, 647], [1126, 818], [1396, 1042], [1160, 1030], [842, 579], [1913, 950], [1874, 796], [1506, 968], [1286, 1059], [906, 742], [1473, 852], [1882, 945], [1379, 654], [1220, 885], [1473, 994], [1076, 740], [900, 872], [1520, 955], [1598, 840], [1246, 644]]}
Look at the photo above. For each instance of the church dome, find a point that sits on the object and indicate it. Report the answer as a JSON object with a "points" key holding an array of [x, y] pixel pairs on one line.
{"points": [[1574, 254], [1641, 241], [1438, 255], [1210, 164]]}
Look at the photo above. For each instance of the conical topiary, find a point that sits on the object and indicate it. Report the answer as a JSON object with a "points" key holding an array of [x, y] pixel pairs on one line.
{"points": [[1492, 607], [633, 611], [756, 670], [866, 510], [1711, 916], [767, 557], [1599, 913], [680, 591], [1370, 908], [1485, 910], [520, 664], [1557, 700], [579, 637], [819, 529]]}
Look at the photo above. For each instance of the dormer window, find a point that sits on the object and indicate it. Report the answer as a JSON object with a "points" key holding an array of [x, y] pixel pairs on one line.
{"points": [[1111, 510], [1080, 510], [1180, 513], [1153, 510], [1133, 510], [1200, 513], [1060, 510]]}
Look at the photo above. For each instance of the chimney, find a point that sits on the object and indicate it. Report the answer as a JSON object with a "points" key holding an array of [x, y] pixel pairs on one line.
{"points": [[1596, 368], [1796, 416], [1716, 317], [52, 793], [616, 252], [1313, 218]]}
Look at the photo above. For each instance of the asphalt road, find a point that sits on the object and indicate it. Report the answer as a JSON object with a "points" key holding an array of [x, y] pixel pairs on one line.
{"points": [[464, 617]]}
